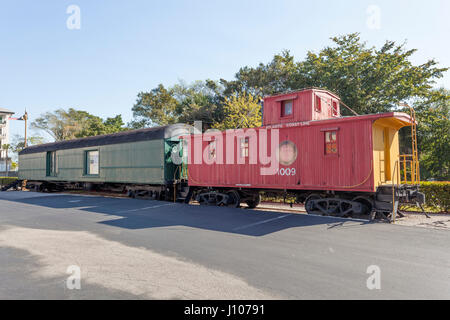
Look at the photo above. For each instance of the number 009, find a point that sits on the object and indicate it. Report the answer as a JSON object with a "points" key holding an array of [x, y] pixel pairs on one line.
{"points": [[287, 172]]}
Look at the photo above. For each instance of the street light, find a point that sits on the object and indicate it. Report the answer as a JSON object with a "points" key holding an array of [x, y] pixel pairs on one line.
{"points": [[23, 118]]}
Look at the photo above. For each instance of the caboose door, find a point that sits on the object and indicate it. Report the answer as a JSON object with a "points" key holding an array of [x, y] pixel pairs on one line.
{"points": [[379, 154], [382, 167]]}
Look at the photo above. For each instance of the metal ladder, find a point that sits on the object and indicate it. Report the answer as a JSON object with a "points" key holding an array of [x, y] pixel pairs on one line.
{"points": [[410, 162]]}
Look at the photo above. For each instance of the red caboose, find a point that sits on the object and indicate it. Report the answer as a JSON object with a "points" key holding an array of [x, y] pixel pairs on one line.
{"points": [[339, 165]]}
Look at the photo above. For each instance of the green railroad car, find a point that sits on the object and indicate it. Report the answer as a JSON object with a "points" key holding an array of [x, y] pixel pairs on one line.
{"points": [[138, 161]]}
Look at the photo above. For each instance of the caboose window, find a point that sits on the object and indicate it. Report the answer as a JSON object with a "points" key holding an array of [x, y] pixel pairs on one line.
{"points": [[331, 142], [286, 108], [318, 105], [92, 167], [244, 147], [335, 110]]}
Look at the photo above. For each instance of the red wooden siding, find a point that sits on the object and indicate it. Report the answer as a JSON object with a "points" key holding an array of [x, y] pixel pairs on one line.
{"points": [[349, 169]]}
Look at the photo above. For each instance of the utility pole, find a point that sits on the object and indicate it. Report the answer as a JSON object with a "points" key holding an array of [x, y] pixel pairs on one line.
{"points": [[25, 117], [25, 144]]}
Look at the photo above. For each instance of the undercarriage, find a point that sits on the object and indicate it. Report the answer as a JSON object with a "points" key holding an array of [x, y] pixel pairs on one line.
{"points": [[383, 204]]}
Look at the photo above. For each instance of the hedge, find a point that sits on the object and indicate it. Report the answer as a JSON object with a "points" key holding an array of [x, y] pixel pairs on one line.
{"points": [[7, 180], [437, 194]]}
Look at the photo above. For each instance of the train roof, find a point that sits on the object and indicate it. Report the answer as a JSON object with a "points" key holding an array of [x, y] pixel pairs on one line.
{"points": [[154, 133], [331, 93], [397, 119]]}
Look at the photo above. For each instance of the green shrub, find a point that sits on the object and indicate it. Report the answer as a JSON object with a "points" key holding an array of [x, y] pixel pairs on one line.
{"points": [[437, 194], [7, 180]]}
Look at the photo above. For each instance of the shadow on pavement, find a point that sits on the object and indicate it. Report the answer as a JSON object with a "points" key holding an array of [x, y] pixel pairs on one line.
{"points": [[144, 214]]}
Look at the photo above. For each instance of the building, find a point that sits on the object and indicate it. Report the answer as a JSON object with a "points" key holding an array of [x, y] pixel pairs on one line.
{"points": [[4, 135]]}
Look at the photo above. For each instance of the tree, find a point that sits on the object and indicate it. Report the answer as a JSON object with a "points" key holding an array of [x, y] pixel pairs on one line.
{"points": [[433, 132], [199, 101], [266, 79], [61, 124], [95, 126], [157, 107], [70, 124], [18, 143], [369, 80], [113, 125], [241, 111]]}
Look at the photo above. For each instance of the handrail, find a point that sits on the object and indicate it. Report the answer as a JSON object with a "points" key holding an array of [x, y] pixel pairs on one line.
{"points": [[394, 186], [410, 166]]}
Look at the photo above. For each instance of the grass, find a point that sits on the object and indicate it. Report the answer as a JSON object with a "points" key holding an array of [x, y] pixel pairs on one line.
{"points": [[427, 208], [7, 180]]}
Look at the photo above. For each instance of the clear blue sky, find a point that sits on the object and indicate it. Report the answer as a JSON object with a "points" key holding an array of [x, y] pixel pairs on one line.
{"points": [[124, 47]]}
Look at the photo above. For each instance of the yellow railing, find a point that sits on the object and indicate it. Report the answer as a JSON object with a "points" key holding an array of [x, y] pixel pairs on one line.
{"points": [[409, 169]]}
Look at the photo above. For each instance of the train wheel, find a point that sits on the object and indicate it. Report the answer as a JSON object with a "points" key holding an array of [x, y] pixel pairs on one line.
{"points": [[204, 199], [234, 199], [345, 209], [366, 203], [208, 198], [310, 205], [252, 204]]}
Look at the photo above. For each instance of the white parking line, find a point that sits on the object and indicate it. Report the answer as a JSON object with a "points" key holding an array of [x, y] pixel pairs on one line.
{"points": [[93, 205], [260, 222], [158, 206]]}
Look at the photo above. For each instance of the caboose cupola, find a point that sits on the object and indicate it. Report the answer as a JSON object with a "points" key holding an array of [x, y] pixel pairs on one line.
{"points": [[303, 105]]}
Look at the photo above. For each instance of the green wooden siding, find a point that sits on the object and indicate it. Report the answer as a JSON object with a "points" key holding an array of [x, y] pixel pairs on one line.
{"points": [[134, 162]]}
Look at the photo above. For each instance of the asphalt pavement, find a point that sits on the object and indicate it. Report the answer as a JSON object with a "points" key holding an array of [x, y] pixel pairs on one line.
{"points": [[144, 249]]}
